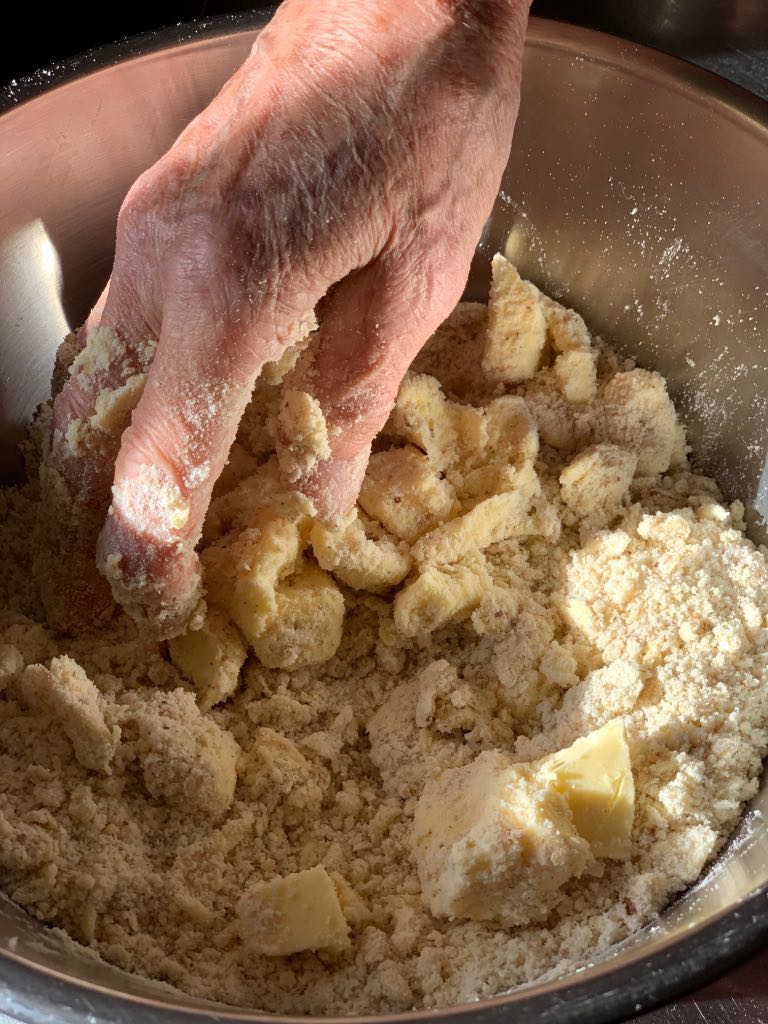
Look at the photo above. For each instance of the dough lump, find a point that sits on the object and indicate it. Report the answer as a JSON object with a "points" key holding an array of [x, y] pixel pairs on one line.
{"points": [[533, 558]]}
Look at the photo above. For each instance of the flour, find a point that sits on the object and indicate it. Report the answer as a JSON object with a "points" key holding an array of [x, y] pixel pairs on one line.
{"points": [[533, 557]]}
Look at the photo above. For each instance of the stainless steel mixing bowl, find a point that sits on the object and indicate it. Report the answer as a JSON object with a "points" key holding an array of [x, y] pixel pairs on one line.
{"points": [[636, 192]]}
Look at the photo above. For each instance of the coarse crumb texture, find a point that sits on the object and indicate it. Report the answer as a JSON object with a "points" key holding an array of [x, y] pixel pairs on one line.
{"points": [[533, 558]]}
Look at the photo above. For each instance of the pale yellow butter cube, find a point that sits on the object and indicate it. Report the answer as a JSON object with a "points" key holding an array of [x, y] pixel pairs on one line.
{"points": [[494, 841], [594, 775], [290, 914]]}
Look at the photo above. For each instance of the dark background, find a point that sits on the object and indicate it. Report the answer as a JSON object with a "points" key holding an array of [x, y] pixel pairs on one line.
{"points": [[729, 36]]}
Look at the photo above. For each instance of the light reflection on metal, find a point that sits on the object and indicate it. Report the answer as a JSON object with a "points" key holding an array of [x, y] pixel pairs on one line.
{"points": [[31, 319]]}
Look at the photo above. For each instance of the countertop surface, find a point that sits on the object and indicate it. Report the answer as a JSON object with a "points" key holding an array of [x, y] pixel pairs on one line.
{"points": [[729, 37], [740, 997]]}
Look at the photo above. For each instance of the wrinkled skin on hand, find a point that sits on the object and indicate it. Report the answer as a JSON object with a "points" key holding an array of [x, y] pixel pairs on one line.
{"points": [[351, 162]]}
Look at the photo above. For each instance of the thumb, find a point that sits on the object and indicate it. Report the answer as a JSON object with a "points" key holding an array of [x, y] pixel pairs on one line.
{"points": [[96, 382]]}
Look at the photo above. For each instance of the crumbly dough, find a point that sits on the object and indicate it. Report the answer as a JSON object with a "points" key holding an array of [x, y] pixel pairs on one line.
{"points": [[534, 557], [302, 422]]}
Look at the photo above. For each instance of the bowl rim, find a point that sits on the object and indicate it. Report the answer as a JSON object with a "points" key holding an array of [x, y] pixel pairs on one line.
{"points": [[603, 992], [678, 71]]}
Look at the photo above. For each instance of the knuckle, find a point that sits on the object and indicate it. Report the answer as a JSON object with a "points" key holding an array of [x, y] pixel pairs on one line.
{"points": [[155, 201], [142, 197], [135, 217]]}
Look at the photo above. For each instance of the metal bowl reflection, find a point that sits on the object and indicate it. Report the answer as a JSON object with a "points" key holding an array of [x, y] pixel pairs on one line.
{"points": [[635, 192]]}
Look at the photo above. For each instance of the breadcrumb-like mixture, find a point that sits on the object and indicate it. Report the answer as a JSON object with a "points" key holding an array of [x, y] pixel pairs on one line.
{"points": [[533, 556]]}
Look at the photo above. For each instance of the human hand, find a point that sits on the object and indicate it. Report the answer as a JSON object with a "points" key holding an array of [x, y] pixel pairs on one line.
{"points": [[350, 162]]}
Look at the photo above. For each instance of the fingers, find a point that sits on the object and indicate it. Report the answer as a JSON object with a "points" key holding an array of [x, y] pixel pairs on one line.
{"points": [[172, 453], [89, 416], [126, 313], [97, 382], [372, 325], [67, 352], [94, 317]]}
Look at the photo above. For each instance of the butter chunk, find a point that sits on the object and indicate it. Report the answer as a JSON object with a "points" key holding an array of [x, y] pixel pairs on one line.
{"points": [[490, 521], [361, 562], [487, 481], [242, 576], [494, 841], [594, 775], [512, 435], [211, 657], [293, 913], [420, 415], [640, 416], [516, 327], [306, 628], [259, 498], [594, 484], [405, 493], [576, 375], [565, 328], [452, 434], [438, 596]]}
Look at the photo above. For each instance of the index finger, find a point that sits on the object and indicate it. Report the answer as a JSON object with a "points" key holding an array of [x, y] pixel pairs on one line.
{"points": [[174, 450]]}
